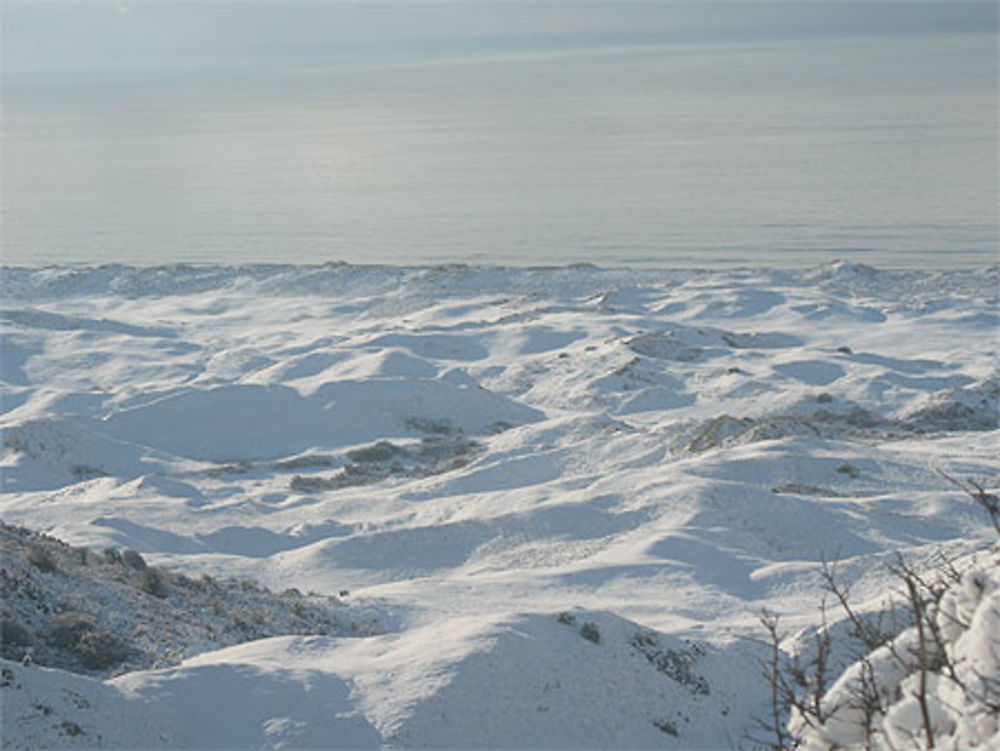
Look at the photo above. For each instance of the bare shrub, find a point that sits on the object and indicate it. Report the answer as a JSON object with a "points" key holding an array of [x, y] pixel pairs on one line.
{"points": [[132, 559], [13, 633], [589, 632], [40, 558], [70, 728], [79, 634], [66, 629], [152, 581], [99, 650], [873, 631], [987, 501], [793, 685]]}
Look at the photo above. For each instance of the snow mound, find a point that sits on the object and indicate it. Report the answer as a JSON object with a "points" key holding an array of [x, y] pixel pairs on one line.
{"points": [[212, 706], [687, 344], [246, 423], [583, 679], [239, 422], [53, 452], [573, 679], [388, 363], [974, 408]]}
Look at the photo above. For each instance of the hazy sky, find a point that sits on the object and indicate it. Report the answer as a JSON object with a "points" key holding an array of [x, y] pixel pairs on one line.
{"points": [[122, 36], [490, 131]]}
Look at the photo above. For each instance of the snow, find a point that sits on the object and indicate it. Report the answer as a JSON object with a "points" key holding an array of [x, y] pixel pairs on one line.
{"points": [[223, 705], [961, 702], [495, 464]]}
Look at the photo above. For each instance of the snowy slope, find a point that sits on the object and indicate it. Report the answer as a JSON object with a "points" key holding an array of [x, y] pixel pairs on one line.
{"points": [[471, 452]]}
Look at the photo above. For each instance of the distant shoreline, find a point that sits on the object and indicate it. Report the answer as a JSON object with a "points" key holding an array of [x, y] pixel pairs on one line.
{"points": [[989, 260]]}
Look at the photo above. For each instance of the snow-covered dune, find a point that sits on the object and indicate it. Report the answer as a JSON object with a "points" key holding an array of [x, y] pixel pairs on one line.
{"points": [[564, 495]]}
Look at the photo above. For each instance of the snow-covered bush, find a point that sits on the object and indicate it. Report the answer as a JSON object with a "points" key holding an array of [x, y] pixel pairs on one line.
{"points": [[935, 685], [933, 682]]}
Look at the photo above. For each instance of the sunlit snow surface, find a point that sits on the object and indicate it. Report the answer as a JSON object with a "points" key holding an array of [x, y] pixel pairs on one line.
{"points": [[493, 459]]}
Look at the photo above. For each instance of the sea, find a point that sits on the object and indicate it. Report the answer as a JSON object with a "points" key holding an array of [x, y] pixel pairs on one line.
{"points": [[501, 133]]}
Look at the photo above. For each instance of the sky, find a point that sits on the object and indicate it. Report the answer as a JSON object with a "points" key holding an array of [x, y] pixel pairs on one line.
{"points": [[492, 131], [93, 38]]}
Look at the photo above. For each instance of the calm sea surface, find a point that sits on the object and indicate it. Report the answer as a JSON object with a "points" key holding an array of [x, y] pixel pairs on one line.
{"points": [[617, 147]]}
